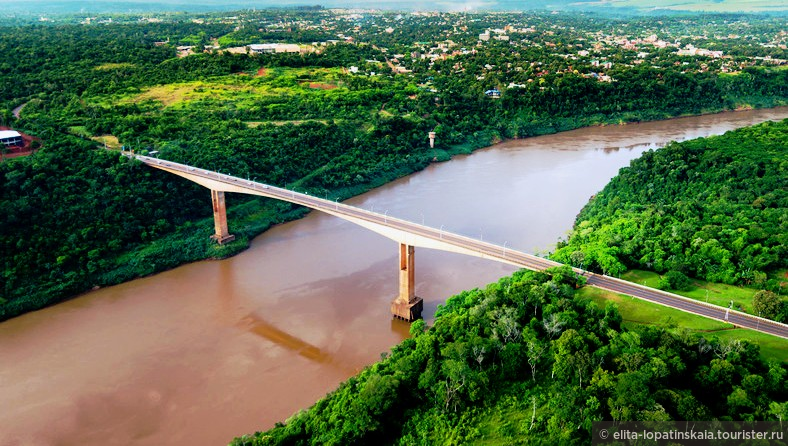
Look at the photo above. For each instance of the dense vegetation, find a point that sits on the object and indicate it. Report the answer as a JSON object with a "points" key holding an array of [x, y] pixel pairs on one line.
{"points": [[334, 120], [711, 208], [526, 361]]}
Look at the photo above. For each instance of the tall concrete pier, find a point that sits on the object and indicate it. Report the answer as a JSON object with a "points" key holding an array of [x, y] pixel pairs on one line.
{"points": [[407, 306], [408, 235], [222, 234]]}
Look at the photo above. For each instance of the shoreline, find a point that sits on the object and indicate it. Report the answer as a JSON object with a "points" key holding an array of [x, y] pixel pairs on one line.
{"points": [[263, 219], [629, 123]]}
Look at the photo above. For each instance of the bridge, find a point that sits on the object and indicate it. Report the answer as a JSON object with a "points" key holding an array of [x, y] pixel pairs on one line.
{"points": [[410, 235]]}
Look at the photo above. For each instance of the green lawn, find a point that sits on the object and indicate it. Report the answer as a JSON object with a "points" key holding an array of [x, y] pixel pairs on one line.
{"points": [[636, 311], [713, 293]]}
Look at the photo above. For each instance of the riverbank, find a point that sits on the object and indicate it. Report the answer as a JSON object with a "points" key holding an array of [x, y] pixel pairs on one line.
{"points": [[191, 241], [440, 396], [269, 331], [517, 361]]}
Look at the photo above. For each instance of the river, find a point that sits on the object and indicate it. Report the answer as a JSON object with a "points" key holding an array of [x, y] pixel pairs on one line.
{"points": [[215, 349]]}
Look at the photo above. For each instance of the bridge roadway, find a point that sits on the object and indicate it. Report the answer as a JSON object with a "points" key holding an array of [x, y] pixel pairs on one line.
{"points": [[415, 234]]}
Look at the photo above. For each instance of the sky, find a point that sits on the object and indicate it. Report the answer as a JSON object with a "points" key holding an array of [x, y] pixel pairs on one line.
{"points": [[104, 6], [51, 6]]}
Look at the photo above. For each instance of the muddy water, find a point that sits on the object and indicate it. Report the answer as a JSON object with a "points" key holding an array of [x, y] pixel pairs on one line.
{"points": [[216, 349]]}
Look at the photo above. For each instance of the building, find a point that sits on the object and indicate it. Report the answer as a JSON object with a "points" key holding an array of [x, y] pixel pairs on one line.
{"points": [[268, 48], [11, 138]]}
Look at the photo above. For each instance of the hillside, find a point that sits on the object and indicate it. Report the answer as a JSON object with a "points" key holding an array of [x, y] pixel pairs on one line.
{"points": [[527, 361], [712, 208]]}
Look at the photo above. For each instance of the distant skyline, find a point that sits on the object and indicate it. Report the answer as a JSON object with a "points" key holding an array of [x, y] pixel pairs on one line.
{"points": [[137, 6]]}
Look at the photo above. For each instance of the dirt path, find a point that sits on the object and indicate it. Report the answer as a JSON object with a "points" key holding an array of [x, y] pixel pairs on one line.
{"points": [[18, 110]]}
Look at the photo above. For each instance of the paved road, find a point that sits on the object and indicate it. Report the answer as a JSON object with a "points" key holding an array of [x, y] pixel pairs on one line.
{"points": [[490, 250]]}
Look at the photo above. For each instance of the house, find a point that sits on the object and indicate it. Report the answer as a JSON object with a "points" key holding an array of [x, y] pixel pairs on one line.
{"points": [[11, 138]]}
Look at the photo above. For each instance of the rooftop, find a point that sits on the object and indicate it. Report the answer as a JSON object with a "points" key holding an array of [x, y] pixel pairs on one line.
{"points": [[9, 134]]}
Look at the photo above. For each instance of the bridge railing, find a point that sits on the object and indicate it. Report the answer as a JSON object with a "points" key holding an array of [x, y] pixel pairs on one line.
{"points": [[487, 249]]}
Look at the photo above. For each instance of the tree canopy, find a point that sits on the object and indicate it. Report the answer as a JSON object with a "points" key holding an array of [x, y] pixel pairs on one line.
{"points": [[526, 361], [712, 208]]}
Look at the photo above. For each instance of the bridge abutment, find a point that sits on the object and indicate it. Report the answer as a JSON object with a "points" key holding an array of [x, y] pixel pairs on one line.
{"points": [[222, 234], [407, 305]]}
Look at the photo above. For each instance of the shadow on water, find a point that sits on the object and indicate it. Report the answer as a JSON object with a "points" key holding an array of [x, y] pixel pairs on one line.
{"points": [[260, 327]]}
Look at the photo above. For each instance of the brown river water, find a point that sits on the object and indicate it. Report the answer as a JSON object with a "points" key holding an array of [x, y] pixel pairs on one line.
{"points": [[216, 349]]}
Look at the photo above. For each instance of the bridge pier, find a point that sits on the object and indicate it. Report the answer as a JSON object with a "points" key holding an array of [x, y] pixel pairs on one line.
{"points": [[407, 306], [222, 234]]}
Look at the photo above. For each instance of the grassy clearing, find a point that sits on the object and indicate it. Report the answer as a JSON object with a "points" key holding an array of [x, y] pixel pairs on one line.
{"points": [[113, 66], [722, 295], [173, 94], [300, 78], [509, 419], [80, 130], [713, 293], [639, 312], [772, 347], [636, 311], [110, 141], [238, 88]]}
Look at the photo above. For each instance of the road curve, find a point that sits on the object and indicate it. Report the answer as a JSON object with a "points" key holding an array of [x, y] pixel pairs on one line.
{"points": [[487, 250]]}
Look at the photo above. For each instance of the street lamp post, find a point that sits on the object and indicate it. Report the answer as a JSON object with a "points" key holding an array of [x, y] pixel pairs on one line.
{"points": [[441, 232], [386, 216], [504, 248]]}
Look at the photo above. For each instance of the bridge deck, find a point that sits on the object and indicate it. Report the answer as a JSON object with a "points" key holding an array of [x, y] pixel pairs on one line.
{"points": [[415, 234]]}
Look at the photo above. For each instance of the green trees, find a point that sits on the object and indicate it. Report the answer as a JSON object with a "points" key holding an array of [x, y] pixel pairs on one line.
{"points": [[469, 378], [710, 208], [53, 246], [213, 110], [674, 280], [770, 305]]}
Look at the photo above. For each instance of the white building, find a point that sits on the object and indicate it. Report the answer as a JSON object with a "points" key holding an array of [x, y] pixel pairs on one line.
{"points": [[267, 48], [11, 138]]}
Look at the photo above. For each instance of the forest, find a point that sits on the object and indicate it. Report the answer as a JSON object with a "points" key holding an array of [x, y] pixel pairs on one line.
{"points": [[526, 361], [712, 208], [79, 216]]}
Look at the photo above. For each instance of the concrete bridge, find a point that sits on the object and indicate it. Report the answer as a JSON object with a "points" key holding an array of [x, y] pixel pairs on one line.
{"points": [[410, 235]]}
